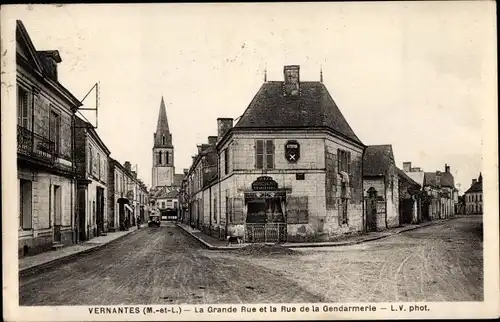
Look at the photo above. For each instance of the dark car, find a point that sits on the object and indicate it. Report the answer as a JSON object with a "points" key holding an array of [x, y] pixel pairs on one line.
{"points": [[154, 221]]}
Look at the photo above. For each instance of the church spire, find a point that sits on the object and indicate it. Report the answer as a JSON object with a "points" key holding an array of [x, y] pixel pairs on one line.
{"points": [[162, 134]]}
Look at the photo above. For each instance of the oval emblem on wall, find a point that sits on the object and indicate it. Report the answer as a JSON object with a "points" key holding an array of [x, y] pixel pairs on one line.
{"points": [[292, 151]]}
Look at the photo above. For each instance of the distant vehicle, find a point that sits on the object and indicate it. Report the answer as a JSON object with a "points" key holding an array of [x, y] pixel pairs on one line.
{"points": [[154, 221]]}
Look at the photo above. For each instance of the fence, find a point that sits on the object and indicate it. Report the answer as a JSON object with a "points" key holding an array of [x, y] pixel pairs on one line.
{"points": [[265, 233]]}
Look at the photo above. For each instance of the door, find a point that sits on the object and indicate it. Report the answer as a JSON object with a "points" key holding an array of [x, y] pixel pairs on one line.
{"points": [[371, 210], [100, 210], [81, 215], [57, 213]]}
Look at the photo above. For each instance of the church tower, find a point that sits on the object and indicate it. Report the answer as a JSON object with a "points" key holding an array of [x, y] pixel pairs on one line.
{"points": [[163, 152]]}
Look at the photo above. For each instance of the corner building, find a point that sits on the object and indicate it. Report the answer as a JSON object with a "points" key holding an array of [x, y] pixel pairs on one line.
{"points": [[291, 167]]}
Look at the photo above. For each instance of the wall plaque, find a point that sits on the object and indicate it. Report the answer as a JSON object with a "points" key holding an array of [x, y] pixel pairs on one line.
{"points": [[264, 183], [292, 151]]}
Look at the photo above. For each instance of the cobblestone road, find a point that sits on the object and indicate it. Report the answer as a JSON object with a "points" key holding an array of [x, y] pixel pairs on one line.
{"points": [[163, 266]]}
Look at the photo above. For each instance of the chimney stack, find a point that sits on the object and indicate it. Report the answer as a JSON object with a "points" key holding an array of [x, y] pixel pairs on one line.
{"points": [[407, 166], [292, 80], [223, 125], [185, 171], [474, 181], [127, 166], [446, 168], [212, 140], [50, 59]]}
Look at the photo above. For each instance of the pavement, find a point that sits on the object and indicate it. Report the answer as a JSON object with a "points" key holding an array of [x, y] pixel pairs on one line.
{"points": [[213, 243], [32, 264], [165, 265]]}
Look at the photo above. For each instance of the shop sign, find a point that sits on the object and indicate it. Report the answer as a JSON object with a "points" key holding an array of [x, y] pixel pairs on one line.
{"points": [[265, 194], [130, 195], [292, 151], [264, 183]]}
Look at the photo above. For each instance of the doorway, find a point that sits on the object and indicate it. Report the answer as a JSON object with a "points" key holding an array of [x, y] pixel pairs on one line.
{"points": [[371, 210], [82, 236], [265, 220], [57, 213], [100, 211]]}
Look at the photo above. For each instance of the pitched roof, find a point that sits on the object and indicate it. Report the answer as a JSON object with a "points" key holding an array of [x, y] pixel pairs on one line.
{"points": [[475, 187], [417, 176], [162, 128], [165, 193], [402, 174], [431, 179], [377, 160], [178, 179], [314, 107], [447, 180]]}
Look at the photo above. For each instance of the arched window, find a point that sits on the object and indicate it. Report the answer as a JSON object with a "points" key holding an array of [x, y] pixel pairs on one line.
{"points": [[167, 157], [159, 158], [163, 139]]}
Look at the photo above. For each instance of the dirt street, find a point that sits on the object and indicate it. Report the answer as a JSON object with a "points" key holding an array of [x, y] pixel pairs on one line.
{"points": [[164, 266]]}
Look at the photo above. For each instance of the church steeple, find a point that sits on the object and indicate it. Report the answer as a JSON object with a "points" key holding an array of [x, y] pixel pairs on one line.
{"points": [[162, 137]]}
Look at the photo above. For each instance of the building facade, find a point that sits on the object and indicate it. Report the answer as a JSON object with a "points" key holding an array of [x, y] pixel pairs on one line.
{"points": [[289, 170], [474, 197], [166, 183], [45, 156], [128, 197], [91, 156]]}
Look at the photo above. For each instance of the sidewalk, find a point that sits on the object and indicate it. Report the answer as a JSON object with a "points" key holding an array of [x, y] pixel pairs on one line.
{"points": [[213, 243], [31, 264]]}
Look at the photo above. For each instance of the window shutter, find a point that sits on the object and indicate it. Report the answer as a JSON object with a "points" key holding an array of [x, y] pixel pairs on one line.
{"points": [[269, 154], [338, 161], [303, 216], [292, 210], [259, 154], [238, 211], [349, 162]]}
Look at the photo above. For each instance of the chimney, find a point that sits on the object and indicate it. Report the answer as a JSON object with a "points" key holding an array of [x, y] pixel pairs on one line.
{"points": [[50, 59], [292, 80], [223, 125], [185, 171], [212, 140], [474, 181], [200, 148], [407, 166], [127, 166], [134, 174], [446, 168]]}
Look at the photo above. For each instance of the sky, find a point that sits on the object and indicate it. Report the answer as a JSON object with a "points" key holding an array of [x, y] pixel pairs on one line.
{"points": [[408, 74]]}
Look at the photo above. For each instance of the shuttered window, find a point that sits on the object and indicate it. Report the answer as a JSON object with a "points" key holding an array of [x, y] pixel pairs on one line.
{"points": [[297, 210], [331, 180], [226, 161], [23, 108], [25, 197], [238, 211], [264, 154], [344, 161], [55, 130]]}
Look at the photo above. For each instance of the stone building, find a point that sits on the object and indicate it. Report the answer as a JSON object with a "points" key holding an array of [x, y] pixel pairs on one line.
{"points": [[474, 197], [128, 197], [381, 187], [439, 194], [289, 170], [166, 183], [91, 155], [45, 159]]}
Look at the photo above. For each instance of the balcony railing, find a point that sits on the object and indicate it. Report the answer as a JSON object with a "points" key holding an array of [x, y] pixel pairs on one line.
{"points": [[34, 145]]}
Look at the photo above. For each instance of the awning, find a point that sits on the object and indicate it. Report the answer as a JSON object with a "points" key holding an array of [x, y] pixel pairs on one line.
{"points": [[129, 208]]}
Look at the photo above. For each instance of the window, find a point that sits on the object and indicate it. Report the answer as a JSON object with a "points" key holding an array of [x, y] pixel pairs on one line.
{"points": [[264, 154], [159, 158], [226, 161], [91, 160], [25, 219], [343, 211], [163, 139], [480, 197], [167, 161], [331, 184], [297, 210], [229, 214], [175, 204], [55, 130], [163, 204], [215, 209], [23, 108], [98, 165], [116, 181], [344, 161]]}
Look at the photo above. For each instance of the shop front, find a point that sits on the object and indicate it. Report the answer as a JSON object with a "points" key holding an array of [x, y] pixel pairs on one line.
{"points": [[265, 212]]}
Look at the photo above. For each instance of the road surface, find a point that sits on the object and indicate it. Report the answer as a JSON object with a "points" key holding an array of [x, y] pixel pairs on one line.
{"points": [[164, 266]]}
